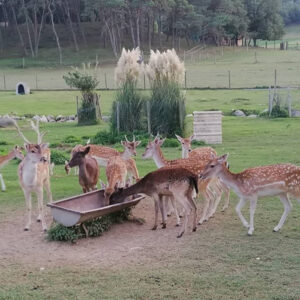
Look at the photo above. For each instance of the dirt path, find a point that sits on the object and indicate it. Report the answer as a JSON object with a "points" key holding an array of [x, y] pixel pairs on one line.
{"points": [[127, 243]]}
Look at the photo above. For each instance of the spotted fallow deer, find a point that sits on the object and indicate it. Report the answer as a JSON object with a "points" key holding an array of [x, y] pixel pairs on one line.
{"points": [[116, 172], [176, 182], [88, 169], [205, 154], [102, 154], [274, 180], [207, 188], [34, 174], [4, 159]]}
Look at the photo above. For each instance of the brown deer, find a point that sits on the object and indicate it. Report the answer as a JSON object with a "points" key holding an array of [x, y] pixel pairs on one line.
{"points": [[4, 159], [204, 154], [102, 154], [116, 171], [88, 169], [251, 184], [175, 182], [208, 188]]}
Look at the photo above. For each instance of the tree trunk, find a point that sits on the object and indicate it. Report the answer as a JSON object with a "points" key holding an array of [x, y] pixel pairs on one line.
{"points": [[149, 31], [131, 29], [54, 31], [40, 29], [18, 30], [67, 10], [138, 28], [28, 29], [112, 39], [160, 30], [81, 29]]}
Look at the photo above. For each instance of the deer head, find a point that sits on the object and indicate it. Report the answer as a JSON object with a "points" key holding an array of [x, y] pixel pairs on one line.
{"points": [[214, 167], [152, 146], [18, 152], [130, 147], [186, 144], [34, 152], [78, 157]]}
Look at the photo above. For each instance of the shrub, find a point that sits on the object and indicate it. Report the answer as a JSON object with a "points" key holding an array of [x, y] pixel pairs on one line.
{"points": [[70, 139], [95, 227], [130, 108], [58, 157], [172, 143], [3, 143]]}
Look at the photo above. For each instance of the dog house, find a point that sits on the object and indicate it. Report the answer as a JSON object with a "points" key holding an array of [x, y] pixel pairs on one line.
{"points": [[22, 88], [208, 126]]}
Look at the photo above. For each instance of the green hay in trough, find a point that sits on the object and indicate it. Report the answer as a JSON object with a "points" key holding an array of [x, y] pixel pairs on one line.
{"points": [[96, 227]]}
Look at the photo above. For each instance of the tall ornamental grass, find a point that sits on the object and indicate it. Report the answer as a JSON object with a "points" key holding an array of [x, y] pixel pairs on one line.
{"points": [[128, 99], [167, 103]]}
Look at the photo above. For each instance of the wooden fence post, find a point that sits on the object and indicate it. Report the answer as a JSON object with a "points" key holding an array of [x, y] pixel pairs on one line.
{"points": [[144, 81], [185, 79], [275, 79], [289, 102], [149, 117], [270, 102], [23, 62], [4, 82], [36, 81], [77, 106], [118, 117], [229, 80]]}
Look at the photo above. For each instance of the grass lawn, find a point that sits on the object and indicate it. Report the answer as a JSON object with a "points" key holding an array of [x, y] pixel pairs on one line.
{"points": [[218, 262]]}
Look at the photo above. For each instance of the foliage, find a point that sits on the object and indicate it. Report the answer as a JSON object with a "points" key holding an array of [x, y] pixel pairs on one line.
{"points": [[130, 108], [3, 143], [83, 81], [277, 112], [167, 106], [58, 157], [70, 139], [95, 227]]}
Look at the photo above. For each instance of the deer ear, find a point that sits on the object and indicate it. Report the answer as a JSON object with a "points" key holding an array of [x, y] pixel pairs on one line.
{"points": [[123, 143], [223, 158], [44, 146], [87, 150], [179, 138], [161, 141], [137, 143], [192, 137], [26, 146], [66, 162]]}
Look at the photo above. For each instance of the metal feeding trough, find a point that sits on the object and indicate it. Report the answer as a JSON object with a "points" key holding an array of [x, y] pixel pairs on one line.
{"points": [[88, 206]]}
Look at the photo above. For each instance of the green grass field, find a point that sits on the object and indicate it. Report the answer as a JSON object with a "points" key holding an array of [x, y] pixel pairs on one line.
{"points": [[219, 261]]}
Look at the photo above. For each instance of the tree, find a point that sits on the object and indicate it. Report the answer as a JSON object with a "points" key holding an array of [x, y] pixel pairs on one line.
{"points": [[265, 20]]}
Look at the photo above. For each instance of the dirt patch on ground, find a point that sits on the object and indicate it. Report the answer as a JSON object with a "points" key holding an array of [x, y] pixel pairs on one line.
{"points": [[127, 243]]}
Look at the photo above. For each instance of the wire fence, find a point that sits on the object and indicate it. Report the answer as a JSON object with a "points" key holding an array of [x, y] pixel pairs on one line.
{"points": [[218, 67]]}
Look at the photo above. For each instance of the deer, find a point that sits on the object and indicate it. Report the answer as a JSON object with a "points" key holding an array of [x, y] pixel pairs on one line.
{"points": [[103, 153], [205, 154], [207, 188], [34, 174], [88, 169], [116, 172], [176, 182], [272, 180], [16, 152]]}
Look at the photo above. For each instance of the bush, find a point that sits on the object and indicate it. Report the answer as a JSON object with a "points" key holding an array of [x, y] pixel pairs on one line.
{"points": [[167, 108], [70, 139], [95, 227], [3, 143], [58, 157], [130, 108], [171, 143], [277, 112]]}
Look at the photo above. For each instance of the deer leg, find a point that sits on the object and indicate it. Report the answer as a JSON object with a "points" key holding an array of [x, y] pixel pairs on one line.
{"points": [[183, 199], [156, 213], [218, 196], [287, 208], [3, 187], [28, 207], [194, 208], [175, 211], [238, 209], [207, 195], [253, 202], [162, 210], [41, 208], [48, 190], [169, 208], [227, 197]]}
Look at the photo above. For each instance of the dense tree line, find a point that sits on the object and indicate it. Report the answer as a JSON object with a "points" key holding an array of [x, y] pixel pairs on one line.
{"points": [[146, 22]]}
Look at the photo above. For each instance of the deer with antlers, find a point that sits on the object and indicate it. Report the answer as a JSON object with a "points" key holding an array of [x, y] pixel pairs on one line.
{"points": [[34, 174], [204, 154], [102, 154], [175, 182], [5, 159], [206, 188], [274, 180]]}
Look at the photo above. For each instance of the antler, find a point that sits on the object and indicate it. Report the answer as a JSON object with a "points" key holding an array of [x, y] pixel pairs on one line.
{"points": [[20, 132], [133, 138], [126, 139], [36, 128]]}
